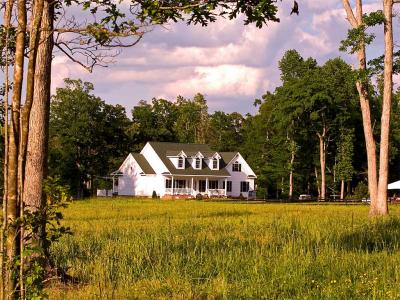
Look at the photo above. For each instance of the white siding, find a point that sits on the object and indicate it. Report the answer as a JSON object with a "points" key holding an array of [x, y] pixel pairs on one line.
{"points": [[131, 183], [237, 177]]}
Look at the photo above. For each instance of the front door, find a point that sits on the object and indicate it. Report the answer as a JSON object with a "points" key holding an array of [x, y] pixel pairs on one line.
{"points": [[202, 186]]}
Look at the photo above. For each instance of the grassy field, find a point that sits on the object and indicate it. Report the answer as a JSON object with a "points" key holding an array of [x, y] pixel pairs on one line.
{"points": [[154, 249]]}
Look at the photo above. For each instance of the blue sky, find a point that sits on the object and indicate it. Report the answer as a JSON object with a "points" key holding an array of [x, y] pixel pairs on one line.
{"points": [[230, 63]]}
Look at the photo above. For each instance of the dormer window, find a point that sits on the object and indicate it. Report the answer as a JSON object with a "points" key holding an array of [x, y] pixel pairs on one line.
{"points": [[236, 167], [181, 162], [197, 163], [215, 163]]}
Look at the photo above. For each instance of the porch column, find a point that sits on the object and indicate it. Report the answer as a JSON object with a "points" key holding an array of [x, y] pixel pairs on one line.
{"points": [[192, 187], [172, 185], [226, 186], [206, 185], [113, 184]]}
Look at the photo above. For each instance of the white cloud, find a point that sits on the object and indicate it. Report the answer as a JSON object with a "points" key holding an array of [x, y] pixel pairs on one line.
{"points": [[224, 80], [63, 68], [225, 60]]}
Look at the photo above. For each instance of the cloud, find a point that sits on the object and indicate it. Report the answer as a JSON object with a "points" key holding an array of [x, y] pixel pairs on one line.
{"points": [[223, 80], [230, 63]]}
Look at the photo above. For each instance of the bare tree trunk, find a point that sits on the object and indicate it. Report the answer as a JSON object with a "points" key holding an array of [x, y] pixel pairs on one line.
{"points": [[316, 179], [322, 158], [36, 18], [36, 158], [37, 146], [7, 23], [356, 21], [349, 191], [380, 207], [342, 190], [12, 243], [291, 175]]}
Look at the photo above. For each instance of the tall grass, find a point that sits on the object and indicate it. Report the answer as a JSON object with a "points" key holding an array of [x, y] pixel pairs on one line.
{"points": [[152, 249]]}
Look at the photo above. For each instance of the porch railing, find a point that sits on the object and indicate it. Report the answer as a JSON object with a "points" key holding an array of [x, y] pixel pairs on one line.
{"points": [[178, 191], [189, 191], [216, 192]]}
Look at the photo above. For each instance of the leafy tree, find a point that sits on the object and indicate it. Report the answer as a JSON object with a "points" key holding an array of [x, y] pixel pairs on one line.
{"points": [[319, 100], [344, 167], [225, 131], [191, 124], [152, 122], [87, 136]]}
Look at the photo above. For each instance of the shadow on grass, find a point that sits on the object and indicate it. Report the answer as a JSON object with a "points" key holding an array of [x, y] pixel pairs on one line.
{"points": [[379, 235]]}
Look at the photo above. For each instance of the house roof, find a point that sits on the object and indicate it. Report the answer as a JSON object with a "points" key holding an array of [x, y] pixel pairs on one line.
{"points": [[227, 156], [143, 163], [166, 149]]}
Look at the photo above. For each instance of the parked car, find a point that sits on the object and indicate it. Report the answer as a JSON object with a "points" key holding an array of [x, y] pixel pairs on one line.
{"points": [[305, 197]]}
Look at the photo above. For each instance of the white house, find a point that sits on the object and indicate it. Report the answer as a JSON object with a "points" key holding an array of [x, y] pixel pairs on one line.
{"points": [[183, 170]]}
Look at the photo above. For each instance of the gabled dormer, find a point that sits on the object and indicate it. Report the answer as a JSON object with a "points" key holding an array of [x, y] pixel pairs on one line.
{"points": [[214, 161], [181, 160], [197, 161], [178, 159]]}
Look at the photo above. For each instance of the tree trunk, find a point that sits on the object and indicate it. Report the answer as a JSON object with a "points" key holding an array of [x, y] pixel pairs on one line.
{"points": [[12, 242], [342, 190], [36, 159], [291, 175], [380, 207], [349, 191], [34, 37], [7, 23], [356, 21], [316, 179], [322, 159]]}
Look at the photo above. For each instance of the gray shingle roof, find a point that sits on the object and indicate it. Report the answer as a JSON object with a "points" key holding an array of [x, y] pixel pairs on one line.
{"points": [[143, 163], [164, 149]]}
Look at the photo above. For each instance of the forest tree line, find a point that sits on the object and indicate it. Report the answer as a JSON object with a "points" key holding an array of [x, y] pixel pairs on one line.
{"points": [[306, 136]]}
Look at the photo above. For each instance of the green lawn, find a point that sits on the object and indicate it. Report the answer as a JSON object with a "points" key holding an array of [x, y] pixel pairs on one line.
{"points": [[157, 249]]}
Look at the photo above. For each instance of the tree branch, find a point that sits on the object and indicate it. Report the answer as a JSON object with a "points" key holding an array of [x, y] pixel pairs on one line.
{"points": [[350, 14]]}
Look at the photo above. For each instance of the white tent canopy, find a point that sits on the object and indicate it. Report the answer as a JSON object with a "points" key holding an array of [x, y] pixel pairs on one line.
{"points": [[394, 185]]}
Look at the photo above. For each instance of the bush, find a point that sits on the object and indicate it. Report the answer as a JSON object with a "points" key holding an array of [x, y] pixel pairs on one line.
{"points": [[154, 195], [199, 196], [361, 191]]}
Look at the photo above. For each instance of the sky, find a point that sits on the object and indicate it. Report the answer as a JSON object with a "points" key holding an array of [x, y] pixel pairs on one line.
{"points": [[231, 64]]}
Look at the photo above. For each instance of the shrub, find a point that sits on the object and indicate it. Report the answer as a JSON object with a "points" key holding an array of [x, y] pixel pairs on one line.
{"points": [[361, 191]]}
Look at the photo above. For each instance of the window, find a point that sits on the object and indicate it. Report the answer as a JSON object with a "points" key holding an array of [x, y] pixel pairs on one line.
{"points": [[228, 186], [244, 186], [116, 181], [179, 184], [168, 183], [236, 167], [215, 163], [202, 186], [197, 163], [180, 162], [213, 184]]}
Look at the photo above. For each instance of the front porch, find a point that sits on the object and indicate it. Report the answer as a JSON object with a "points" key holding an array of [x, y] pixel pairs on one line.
{"points": [[183, 187]]}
